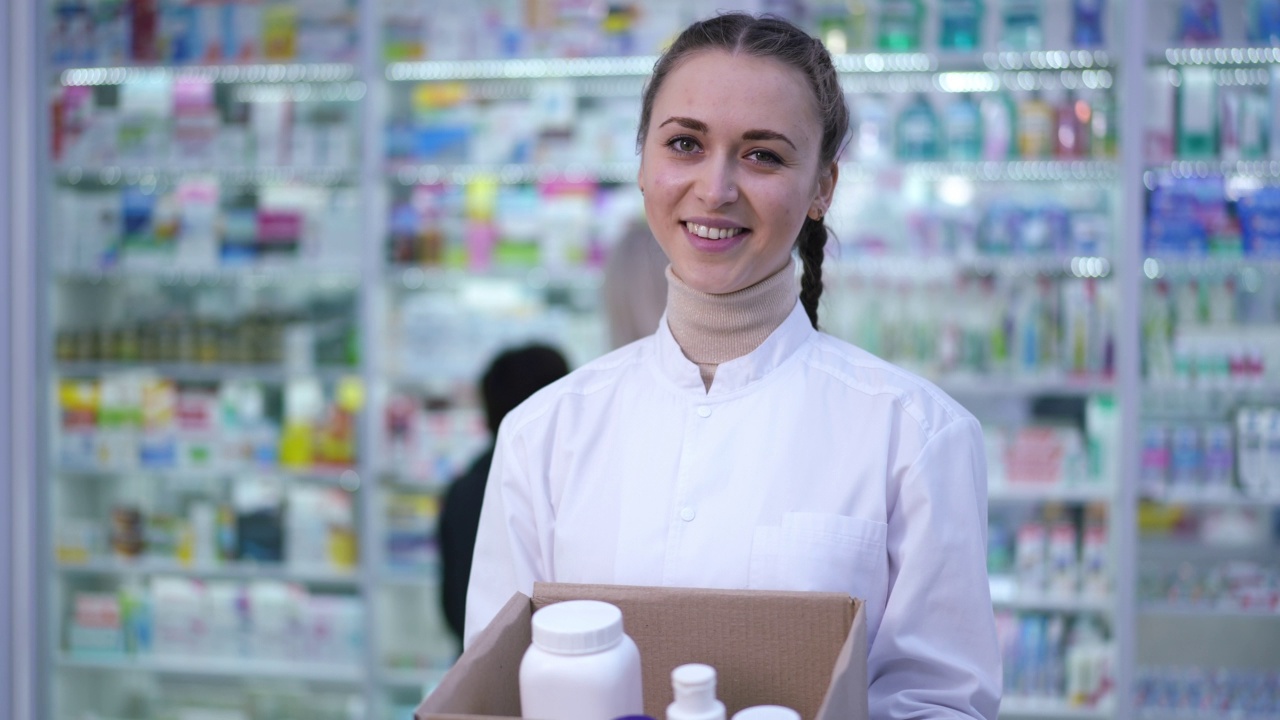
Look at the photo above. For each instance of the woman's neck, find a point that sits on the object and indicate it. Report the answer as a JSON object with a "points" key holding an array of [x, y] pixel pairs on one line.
{"points": [[714, 329]]}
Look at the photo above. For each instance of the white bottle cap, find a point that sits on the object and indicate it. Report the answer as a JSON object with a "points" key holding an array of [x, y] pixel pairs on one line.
{"points": [[577, 627], [767, 712], [694, 686]]}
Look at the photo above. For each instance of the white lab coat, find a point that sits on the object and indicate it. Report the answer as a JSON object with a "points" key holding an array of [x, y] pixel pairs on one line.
{"points": [[809, 465]]}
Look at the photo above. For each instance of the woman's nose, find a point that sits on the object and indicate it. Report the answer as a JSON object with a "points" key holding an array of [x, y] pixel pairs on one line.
{"points": [[717, 184]]}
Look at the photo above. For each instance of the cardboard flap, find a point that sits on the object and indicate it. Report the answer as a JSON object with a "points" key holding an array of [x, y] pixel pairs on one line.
{"points": [[767, 647], [847, 695], [486, 679]]}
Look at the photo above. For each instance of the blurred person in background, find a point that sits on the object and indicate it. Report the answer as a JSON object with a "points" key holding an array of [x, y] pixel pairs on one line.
{"points": [[635, 285], [511, 377]]}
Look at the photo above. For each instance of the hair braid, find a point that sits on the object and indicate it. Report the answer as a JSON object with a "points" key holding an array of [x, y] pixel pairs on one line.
{"points": [[811, 246]]}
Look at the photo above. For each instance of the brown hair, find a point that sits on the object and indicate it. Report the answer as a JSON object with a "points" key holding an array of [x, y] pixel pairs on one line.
{"points": [[770, 37]]}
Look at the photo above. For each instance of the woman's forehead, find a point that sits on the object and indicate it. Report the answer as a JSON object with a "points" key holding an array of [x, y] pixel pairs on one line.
{"points": [[738, 87]]}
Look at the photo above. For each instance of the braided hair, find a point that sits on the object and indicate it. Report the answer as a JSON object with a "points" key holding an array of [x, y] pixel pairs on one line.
{"points": [[770, 37]]}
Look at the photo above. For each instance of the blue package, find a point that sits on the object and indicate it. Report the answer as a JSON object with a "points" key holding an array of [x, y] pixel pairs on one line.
{"points": [[1264, 22], [1086, 26], [1199, 22], [1260, 222], [136, 215], [181, 34]]}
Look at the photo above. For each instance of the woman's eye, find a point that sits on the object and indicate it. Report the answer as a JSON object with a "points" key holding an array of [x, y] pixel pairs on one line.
{"points": [[682, 144], [764, 156]]}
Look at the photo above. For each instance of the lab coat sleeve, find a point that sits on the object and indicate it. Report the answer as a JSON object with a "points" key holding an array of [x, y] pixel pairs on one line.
{"points": [[509, 555], [935, 654]]}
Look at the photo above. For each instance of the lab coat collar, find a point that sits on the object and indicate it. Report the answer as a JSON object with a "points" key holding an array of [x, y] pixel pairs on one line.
{"points": [[738, 373]]}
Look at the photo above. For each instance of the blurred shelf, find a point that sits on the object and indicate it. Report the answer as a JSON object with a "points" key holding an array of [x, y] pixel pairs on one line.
{"points": [[346, 478], [1015, 387], [1262, 169], [1025, 707], [1169, 402], [416, 678], [415, 277], [990, 171], [154, 174], [217, 667], [420, 577], [1202, 500], [515, 174], [1167, 266], [257, 73], [1161, 549], [324, 275], [1045, 603], [1049, 492], [1153, 608], [1219, 56], [846, 64], [198, 372], [229, 571], [925, 268]]}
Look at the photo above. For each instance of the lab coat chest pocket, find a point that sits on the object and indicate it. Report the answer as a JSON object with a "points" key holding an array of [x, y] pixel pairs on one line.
{"points": [[821, 552]]}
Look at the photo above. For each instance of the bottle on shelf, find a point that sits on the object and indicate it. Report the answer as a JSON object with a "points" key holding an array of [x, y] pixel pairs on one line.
{"points": [[1036, 121], [900, 25], [960, 24], [1087, 23], [1021, 25], [964, 129], [917, 132]]}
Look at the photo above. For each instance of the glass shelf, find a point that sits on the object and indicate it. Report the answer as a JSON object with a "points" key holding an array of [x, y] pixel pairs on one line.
{"points": [[150, 175], [994, 171], [210, 667], [195, 372], [229, 571], [537, 278], [321, 275], [1219, 56], [411, 678], [348, 479], [257, 73], [1056, 492], [923, 268], [1023, 707], [1025, 386], [1160, 267], [1204, 613], [1045, 603], [1262, 169]]}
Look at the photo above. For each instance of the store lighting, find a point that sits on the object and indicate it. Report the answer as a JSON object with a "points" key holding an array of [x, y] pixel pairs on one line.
{"points": [[1151, 268]]}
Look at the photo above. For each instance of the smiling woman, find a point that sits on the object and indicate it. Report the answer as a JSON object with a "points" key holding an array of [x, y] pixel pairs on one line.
{"points": [[738, 446]]}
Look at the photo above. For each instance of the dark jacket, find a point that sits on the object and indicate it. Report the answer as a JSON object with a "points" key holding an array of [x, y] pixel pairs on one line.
{"points": [[459, 521]]}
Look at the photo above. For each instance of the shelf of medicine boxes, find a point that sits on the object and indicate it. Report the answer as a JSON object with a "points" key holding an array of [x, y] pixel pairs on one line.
{"points": [[1049, 709], [347, 478], [324, 276], [145, 567], [261, 73], [213, 667], [206, 372], [163, 175]]}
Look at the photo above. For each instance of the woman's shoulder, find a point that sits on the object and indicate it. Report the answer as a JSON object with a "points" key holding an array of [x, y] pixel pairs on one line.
{"points": [[865, 373]]}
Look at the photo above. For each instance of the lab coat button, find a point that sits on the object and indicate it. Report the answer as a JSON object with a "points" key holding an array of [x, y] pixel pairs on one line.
{"points": [[687, 513], [704, 411]]}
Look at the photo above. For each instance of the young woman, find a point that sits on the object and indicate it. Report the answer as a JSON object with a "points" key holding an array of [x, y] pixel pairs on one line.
{"points": [[738, 447]]}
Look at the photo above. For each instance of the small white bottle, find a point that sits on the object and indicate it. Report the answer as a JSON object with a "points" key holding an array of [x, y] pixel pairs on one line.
{"points": [[766, 712], [694, 686], [581, 665]]}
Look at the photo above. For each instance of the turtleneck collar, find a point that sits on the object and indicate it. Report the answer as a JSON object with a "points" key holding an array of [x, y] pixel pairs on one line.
{"points": [[714, 329]]}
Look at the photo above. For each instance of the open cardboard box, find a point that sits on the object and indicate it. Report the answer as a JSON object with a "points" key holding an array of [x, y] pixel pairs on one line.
{"points": [[804, 650]]}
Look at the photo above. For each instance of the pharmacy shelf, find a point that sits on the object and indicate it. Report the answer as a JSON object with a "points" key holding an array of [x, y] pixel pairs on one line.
{"points": [[1046, 603], [320, 276], [211, 667], [346, 478], [414, 277], [1202, 500], [1174, 267], [984, 387], [1049, 171], [411, 678], [270, 73], [112, 175], [516, 174], [1261, 169], [1163, 402], [1049, 492], [421, 577], [229, 571], [1165, 609], [1178, 550], [198, 372], [1221, 56], [905, 267], [1048, 709]]}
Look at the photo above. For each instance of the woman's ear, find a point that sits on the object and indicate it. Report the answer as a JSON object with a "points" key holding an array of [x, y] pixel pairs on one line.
{"points": [[826, 190]]}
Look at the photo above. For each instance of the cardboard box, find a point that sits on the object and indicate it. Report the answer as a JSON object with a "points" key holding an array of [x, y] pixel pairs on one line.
{"points": [[807, 651]]}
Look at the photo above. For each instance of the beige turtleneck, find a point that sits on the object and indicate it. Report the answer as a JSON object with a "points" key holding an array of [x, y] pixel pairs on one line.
{"points": [[713, 329]]}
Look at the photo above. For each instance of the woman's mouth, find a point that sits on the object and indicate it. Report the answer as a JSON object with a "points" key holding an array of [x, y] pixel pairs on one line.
{"points": [[712, 233]]}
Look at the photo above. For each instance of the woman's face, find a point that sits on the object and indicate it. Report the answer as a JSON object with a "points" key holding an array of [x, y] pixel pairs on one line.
{"points": [[730, 168]]}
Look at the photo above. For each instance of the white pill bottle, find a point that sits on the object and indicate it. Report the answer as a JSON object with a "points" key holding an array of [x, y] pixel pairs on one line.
{"points": [[767, 712], [694, 686], [581, 665]]}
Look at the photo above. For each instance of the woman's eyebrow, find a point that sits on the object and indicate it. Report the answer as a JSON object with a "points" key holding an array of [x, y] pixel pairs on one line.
{"points": [[699, 126]]}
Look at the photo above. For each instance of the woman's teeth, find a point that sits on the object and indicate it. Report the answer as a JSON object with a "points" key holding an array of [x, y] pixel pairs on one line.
{"points": [[712, 233]]}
